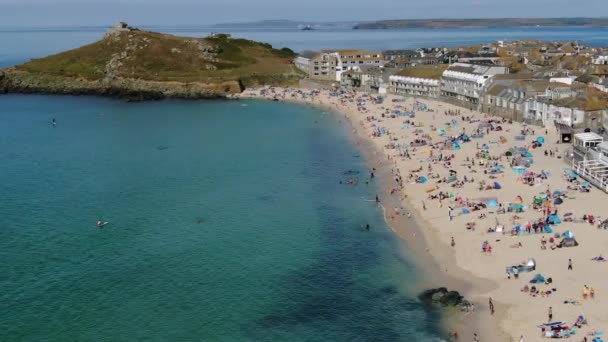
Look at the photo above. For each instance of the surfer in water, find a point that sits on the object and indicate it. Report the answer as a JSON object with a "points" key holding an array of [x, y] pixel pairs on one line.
{"points": [[377, 199], [99, 223], [54, 122]]}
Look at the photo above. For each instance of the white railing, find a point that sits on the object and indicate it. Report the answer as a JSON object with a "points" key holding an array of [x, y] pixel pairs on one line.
{"points": [[594, 171]]}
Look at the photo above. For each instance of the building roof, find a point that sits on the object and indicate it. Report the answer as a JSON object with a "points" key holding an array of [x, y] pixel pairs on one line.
{"points": [[589, 136], [496, 89], [518, 76]]}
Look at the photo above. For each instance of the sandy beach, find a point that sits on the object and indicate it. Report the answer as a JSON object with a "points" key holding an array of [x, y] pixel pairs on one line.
{"points": [[478, 193]]}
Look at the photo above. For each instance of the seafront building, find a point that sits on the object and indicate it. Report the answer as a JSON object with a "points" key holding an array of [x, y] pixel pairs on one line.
{"points": [[590, 158], [414, 86], [575, 108], [329, 65], [465, 84]]}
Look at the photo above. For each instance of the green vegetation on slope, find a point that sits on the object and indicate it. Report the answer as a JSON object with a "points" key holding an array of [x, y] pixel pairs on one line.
{"points": [[151, 56]]}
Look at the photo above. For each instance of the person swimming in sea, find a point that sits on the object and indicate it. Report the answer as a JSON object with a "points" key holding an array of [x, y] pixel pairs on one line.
{"points": [[53, 122]]}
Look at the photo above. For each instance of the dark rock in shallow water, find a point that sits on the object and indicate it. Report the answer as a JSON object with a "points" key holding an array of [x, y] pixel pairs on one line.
{"points": [[441, 296]]}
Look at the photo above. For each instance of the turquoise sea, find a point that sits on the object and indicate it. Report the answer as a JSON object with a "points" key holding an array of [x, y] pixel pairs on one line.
{"points": [[227, 223], [227, 219]]}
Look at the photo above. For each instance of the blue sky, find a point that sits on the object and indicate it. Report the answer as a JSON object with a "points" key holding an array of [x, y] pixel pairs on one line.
{"points": [[202, 12]]}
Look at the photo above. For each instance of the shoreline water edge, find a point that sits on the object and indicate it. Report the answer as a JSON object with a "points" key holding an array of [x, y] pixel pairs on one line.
{"points": [[433, 215]]}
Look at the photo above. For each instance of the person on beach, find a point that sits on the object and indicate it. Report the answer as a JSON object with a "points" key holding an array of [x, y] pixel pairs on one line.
{"points": [[569, 264], [550, 314], [450, 213], [475, 337], [453, 243], [491, 306]]}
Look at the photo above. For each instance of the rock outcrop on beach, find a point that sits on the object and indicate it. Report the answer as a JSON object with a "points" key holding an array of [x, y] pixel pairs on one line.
{"points": [[136, 64], [442, 296]]}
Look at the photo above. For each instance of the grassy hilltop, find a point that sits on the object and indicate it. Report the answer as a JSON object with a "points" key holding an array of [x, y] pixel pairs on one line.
{"points": [[133, 60]]}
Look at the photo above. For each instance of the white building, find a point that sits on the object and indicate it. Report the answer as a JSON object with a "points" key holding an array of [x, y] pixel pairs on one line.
{"points": [[302, 63], [542, 109], [414, 86], [600, 60], [467, 82]]}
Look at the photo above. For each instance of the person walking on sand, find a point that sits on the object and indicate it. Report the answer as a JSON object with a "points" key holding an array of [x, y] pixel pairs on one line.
{"points": [[521, 338], [550, 314], [475, 338], [453, 243], [450, 213], [491, 306], [569, 264]]}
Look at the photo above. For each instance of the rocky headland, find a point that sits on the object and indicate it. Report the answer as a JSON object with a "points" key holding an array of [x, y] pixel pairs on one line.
{"points": [[139, 65]]}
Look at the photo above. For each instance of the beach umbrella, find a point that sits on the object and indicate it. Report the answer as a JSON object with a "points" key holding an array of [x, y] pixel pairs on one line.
{"points": [[465, 211], [528, 155], [422, 179], [540, 140], [585, 183], [497, 186]]}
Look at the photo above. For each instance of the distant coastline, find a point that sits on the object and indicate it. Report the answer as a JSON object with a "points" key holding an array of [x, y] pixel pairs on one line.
{"points": [[424, 23]]}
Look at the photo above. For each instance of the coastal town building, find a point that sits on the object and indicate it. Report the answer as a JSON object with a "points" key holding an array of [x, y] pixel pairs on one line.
{"points": [[302, 63], [567, 106], [414, 86], [390, 55], [329, 65], [366, 78], [466, 83], [600, 59]]}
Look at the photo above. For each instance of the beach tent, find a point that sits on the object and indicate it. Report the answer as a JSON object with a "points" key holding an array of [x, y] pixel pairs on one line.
{"points": [[465, 211], [518, 207], [538, 278], [422, 179], [554, 219], [558, 201], [568, 234], [568, 242], [540, 140], [485, 147], [528, 155], [492, 203], [497, 186]]}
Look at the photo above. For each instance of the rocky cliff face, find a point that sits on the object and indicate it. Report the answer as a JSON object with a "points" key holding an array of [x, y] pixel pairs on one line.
{"points": [[13, 81]]}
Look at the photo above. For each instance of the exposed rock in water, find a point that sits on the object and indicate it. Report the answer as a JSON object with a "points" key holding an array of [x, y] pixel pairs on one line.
{"points": [[443, 297]]}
